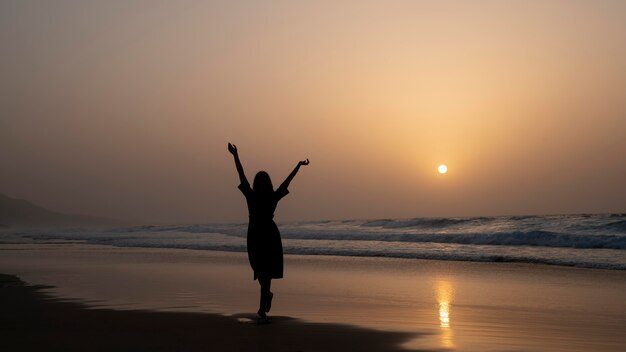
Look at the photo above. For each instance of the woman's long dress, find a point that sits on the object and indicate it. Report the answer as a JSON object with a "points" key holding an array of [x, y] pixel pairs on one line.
{"points": [[265, 249]]}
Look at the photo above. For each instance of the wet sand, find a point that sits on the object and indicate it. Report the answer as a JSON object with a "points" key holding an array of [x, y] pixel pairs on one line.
{"points": [[418, 305], [34, 321]]}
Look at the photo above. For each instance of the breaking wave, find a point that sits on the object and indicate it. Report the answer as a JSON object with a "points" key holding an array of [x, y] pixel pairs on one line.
{"points": [[591, 241]]}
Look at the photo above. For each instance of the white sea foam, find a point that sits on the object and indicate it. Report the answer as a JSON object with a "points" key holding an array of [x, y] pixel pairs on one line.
{"points": [[593, 241]]}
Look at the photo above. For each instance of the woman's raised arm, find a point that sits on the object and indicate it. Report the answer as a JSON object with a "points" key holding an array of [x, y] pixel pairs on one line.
{"points": [[287, 181], [233, 150]]}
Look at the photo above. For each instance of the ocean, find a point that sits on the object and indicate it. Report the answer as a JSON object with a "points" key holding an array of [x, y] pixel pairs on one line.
{"points": [[585, 240]]}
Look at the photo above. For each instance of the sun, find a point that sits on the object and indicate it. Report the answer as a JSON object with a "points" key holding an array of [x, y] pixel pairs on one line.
{"points": [[442, 169]]}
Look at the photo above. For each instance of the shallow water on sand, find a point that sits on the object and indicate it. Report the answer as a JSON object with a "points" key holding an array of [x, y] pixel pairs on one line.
{"points": [[452, 305]]}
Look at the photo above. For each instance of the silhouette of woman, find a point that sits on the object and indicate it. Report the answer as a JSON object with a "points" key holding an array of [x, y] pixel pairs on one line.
{"points": [[265, 249]]}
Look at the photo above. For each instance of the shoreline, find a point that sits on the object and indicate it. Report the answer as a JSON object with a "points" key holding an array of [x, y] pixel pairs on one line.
{"points": [[433, 305], [35, 321]]}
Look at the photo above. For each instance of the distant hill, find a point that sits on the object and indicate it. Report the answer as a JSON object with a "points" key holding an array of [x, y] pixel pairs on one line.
{"points": [[21, 213]]}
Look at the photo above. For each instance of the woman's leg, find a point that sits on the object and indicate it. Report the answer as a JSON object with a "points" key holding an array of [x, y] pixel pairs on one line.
{"points": [[265, 301], [269, 296]]}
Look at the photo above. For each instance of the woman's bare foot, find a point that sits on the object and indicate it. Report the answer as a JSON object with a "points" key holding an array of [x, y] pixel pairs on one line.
{"points": [[263, 316]]}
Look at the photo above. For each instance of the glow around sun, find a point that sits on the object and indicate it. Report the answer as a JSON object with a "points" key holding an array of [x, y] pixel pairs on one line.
{"points": [[442, 169]]}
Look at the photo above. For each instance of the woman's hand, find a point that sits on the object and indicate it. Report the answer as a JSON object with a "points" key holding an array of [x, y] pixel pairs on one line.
{"points": [[304, 162], [232, 149]]}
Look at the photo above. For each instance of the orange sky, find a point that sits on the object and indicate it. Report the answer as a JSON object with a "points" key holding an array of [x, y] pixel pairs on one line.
{"points": [[125, 110]]}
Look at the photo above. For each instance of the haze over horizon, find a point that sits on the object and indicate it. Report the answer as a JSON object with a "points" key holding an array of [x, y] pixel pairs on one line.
{"points": [[124, 110]]}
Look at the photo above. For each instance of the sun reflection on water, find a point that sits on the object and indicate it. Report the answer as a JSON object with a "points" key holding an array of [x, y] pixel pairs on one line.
{"points": [[444, 314], [444, 299]]}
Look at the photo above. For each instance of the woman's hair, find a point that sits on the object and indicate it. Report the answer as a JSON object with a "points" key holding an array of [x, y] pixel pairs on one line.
{"points": [[262, 183]]}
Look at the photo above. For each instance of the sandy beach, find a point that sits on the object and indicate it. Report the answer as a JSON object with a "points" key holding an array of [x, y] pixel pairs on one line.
{"points": [[33, 321], [191, 300]]}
